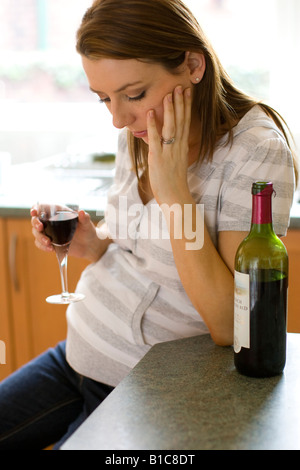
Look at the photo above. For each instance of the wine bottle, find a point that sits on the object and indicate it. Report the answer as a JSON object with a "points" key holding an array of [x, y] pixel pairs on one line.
{"points": [[260, 293]]}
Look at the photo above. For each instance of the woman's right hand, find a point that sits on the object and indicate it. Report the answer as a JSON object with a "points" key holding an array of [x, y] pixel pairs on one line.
{"points": [[85, 243], [41, 240]]}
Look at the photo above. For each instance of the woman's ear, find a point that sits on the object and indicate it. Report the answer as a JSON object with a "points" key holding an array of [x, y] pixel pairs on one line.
{"points": [[196, 65]]}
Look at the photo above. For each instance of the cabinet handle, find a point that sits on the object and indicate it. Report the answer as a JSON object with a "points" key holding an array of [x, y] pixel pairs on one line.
{"points": [[12, 261]]}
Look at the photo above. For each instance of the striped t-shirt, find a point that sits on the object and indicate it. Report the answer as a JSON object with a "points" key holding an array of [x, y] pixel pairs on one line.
{"points": [[134, 297]]}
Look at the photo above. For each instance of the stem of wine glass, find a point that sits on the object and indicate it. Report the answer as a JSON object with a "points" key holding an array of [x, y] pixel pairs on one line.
{"points": [[62, 257]]}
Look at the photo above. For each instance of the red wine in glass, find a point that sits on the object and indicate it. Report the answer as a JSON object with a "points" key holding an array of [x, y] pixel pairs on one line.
{"points": [[60, 222], [60, 227]]}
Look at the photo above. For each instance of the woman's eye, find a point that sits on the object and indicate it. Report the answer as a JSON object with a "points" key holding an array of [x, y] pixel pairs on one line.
{"points": [[137, 98], [133, 98], [104, 100]]}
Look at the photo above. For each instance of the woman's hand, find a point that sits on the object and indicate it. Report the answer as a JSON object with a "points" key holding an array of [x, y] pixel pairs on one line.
{"points": [[85, 243], [41, 241], [168, 163]]}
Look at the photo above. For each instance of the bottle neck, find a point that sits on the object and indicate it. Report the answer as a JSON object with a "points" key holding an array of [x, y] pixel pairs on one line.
{"points": [[261, 213]]}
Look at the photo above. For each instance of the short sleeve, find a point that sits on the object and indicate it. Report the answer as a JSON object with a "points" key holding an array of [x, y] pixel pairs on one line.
{"points": [[270, 160]]}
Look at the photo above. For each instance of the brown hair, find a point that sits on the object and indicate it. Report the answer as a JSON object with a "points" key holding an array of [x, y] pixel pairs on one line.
{"points": [[162, 31]]}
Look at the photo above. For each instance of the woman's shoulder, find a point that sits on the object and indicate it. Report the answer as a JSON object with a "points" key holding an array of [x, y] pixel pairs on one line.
{"points": [[258, 150], [255, 138], [258, 126]]}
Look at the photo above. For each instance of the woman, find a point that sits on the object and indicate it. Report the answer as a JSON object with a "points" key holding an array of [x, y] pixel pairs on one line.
{"points": [[159, 271]]}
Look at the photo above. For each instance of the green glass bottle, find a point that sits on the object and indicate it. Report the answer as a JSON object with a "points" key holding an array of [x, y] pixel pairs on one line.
{"points": [[260, 296]]}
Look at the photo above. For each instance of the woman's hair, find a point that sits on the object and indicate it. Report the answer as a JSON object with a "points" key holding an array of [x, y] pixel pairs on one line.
{"points": [[162, 31]]}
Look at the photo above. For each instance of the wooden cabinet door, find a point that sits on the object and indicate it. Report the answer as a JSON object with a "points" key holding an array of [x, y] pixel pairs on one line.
{"points": [[292, 243], [37, 325], [7, 361]]}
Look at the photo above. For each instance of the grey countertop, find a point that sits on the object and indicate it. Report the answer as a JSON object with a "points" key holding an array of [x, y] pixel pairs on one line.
{"points": [[27, 183], [187, 395], [88, 187]]}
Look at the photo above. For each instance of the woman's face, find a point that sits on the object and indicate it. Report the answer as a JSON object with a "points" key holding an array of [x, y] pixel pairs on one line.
{"points": [[131, 88]]}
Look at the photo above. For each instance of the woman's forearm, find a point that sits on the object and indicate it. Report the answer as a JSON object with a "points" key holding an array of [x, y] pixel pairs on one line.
{"points": [[207, 280]]}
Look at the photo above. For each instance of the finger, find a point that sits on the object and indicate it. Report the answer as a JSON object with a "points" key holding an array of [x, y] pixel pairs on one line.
{"points": [[41, 241], [84, 220], [37, 224], [179, 111], [169, 126], [83, 217], [44, 245], [187, 95], [153, 136]]}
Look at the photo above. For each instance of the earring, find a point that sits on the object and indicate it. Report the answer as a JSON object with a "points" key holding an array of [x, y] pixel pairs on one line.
{"points": [[197, 80]]}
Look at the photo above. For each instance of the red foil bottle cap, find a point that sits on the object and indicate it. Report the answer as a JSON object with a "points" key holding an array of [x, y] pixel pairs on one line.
{"points": [[262, 202]]}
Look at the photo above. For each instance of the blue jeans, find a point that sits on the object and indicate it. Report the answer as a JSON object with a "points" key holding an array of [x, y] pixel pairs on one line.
{"points": [[45, 401]]}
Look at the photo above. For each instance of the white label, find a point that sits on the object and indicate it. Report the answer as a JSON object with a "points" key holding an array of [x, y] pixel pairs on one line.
{"points": [[241, 311]]}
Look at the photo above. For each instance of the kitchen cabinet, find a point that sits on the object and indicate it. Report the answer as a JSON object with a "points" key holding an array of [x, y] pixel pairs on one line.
{"points": [[292, 243], [7, 345], [28, 276], [28, 325]]}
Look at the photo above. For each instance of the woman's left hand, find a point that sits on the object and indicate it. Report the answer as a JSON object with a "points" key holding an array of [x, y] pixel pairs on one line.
{"points": [[168, 163]]}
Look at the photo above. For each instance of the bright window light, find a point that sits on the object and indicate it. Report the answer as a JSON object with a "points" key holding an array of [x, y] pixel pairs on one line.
{"points": [[46, 105]]}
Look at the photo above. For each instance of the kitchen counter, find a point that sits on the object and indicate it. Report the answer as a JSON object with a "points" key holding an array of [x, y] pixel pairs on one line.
{"points": [[86, 185], [187, 395]]}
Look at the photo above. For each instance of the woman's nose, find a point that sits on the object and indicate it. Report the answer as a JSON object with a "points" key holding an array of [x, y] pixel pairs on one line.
{"points": [[121, 118]]}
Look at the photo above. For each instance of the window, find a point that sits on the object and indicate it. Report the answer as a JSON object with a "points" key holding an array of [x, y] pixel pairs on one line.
{"points": [[258, 42], [37, 50], [46, 106]]}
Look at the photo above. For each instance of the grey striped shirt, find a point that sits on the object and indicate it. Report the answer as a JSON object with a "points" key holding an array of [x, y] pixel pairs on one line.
{"points": [[134, 297]]}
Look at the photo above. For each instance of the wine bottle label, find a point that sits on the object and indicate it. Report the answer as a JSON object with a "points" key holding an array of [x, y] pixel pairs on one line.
{"points": [[241, 311]]}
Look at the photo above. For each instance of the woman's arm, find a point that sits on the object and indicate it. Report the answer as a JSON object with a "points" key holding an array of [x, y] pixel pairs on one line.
{"points": [[206, 274]]}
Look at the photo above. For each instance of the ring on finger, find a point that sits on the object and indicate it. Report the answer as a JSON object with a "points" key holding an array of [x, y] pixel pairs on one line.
{"points": [[169, 141]]}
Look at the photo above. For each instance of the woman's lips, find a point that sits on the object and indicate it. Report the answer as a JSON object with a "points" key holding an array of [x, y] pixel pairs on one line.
{"points": [[140, 135]]}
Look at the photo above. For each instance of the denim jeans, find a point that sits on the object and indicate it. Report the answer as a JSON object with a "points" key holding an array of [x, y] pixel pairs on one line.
{"points": [[45, 401]]}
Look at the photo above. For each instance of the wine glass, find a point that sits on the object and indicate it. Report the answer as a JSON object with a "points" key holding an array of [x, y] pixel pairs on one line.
{"points": [[60, 222]]}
